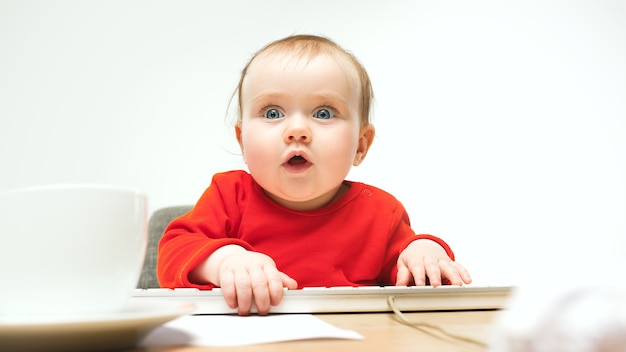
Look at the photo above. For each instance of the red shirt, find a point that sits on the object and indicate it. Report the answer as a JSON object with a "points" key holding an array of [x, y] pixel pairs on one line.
{"points": [[353, 241]]}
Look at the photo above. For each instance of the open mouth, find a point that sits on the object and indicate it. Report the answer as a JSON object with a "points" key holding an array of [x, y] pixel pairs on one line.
{"points": [[296, 160], [297, 164]]}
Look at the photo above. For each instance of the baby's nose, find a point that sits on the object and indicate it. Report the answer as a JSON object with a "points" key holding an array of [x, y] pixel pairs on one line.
{"points": [[298, 131]]}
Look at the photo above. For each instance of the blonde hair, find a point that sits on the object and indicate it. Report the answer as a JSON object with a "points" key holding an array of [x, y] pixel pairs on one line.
{"points": [[311, 46]]}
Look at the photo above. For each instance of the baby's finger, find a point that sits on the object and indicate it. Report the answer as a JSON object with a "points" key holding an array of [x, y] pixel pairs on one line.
{"points": [[465, 275], [415, 270], [450, 272], [457, 274], [260, 290], [403, 276], [432, 271], [287, 281], [229, 292], [243, 289], [274, 285]]}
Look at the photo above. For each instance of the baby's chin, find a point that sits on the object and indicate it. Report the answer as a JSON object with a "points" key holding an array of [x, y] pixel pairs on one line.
{"points": [[300, 200]]}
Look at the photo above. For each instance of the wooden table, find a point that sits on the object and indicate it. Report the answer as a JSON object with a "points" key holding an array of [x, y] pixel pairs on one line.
{"points": [[382, 332]]}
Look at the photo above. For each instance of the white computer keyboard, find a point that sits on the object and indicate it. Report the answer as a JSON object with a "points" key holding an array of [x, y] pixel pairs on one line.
{"points": [[350, 299]]}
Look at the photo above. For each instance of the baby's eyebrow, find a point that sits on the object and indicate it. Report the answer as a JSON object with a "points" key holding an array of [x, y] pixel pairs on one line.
{"points": [[331, 97], [317, 96], [263, 97]]}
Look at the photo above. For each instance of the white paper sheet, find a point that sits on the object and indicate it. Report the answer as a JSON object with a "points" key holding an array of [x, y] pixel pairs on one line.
{"points": [[232, 330]]}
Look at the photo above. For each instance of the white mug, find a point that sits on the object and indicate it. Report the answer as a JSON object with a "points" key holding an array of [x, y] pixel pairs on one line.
{"points": [[68, 250]]}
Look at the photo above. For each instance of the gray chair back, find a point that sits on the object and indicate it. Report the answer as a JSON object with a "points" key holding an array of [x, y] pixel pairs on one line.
{"points": [[156, 226]]}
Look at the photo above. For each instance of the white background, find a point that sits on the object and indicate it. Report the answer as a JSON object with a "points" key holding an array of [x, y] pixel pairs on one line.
{"points": [[501, 126]]}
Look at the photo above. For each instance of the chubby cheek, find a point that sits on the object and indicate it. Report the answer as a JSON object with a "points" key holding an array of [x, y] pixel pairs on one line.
{"points": [[256, 149], [338, 154], [345, 158]]}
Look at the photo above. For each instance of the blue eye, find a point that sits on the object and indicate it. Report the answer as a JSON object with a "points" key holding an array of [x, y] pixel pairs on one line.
{"points": [[324, 114], [272, 114]]}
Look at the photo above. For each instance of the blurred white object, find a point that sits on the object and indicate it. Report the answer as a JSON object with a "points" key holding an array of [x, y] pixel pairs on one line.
{"points": [[561, 316], [70, 249]]}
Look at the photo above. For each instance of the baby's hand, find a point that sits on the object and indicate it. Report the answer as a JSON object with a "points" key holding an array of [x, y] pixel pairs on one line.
{"points": [[425, 258], [245, 276]]}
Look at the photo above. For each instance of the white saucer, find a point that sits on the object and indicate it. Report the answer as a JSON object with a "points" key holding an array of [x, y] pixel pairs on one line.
{"points": [[87, 333]]}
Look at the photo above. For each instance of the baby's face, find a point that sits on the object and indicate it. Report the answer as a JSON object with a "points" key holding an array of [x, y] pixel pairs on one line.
{"points": [[300, 127]]}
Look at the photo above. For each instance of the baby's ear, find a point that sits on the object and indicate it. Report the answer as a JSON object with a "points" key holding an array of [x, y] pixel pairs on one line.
{"points": [[238, 136], [366, 138]]}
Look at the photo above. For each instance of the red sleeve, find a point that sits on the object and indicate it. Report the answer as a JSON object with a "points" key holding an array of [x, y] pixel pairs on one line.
{"points": [[191, 238]]}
